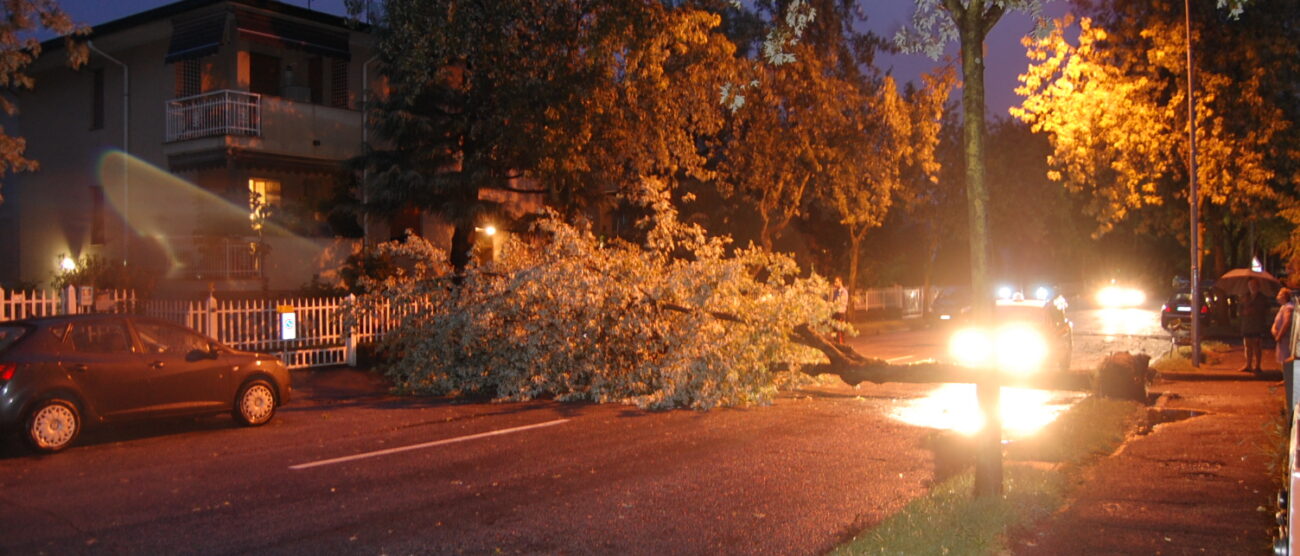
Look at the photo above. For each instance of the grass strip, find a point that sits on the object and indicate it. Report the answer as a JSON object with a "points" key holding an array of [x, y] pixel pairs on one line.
{"points": [[950, 520]]}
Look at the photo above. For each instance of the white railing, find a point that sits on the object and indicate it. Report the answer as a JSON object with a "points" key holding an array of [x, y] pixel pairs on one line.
{"points": [[216, 257], [909, 302], [16, 304], [218, 113], [254, 325], [322, 338]]}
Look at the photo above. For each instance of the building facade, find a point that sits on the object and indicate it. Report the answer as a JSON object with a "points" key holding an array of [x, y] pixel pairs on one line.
{"points": [[204, 144]]}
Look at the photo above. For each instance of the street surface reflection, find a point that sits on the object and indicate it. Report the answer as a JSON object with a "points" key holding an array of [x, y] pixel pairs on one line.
{"points": [[953, 407]]}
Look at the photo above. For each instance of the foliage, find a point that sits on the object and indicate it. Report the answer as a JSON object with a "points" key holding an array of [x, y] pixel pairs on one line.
{"points": [[105, 274], [20, 21], [1125, 161], [569, 101], [675, 322]]}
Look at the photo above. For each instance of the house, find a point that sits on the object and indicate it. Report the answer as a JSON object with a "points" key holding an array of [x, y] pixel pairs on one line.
{"points": [[187, 119]]}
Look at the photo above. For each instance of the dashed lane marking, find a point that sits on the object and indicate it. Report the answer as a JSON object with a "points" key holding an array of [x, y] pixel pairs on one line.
{"points": [[446, 441]]}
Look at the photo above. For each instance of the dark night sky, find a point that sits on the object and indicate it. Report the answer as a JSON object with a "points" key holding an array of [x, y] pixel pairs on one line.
{"points": [[1006, 57]]}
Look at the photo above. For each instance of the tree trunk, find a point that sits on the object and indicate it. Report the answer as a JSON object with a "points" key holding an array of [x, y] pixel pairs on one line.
{"points": [[973, 24], [855, 256], [462, 243]]}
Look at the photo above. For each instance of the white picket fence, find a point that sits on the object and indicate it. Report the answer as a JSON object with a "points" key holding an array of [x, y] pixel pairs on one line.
{"points": [[910, 302], [321, 339]]}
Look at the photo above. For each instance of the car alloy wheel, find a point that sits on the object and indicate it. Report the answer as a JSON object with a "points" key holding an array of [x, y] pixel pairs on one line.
{"points": [[255, 404], [53, 425]]}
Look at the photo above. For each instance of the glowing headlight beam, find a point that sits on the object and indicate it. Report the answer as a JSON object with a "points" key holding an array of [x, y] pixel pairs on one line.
{"points": [[1014, 349]]}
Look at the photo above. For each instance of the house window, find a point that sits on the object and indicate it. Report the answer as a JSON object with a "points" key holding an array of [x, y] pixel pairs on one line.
{"points": [[189, 78], [267, 192], [338, 83], [263, 74], [96, 215], [97, 100]]}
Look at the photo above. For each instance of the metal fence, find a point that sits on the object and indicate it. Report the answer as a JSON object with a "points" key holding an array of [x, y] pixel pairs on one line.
{"points": [[224, 112]]}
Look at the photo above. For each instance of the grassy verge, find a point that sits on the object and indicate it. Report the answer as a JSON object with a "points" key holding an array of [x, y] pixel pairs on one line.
{"points": [[1037, 477], [1180, 359]]}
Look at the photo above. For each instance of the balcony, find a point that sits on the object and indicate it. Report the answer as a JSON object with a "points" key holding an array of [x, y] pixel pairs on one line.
{"points": [[214, 114], [208, 126], [216, 258]]}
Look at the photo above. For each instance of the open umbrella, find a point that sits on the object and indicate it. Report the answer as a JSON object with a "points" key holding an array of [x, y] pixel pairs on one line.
{"points": [[1233, 282]]}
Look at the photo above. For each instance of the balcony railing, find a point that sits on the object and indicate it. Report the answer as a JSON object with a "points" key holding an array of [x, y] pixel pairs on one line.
{"points": [[214, 114], [216, 257]]}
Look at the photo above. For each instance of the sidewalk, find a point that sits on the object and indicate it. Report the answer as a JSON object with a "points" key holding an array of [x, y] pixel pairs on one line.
{"points": [[1198, 485]]}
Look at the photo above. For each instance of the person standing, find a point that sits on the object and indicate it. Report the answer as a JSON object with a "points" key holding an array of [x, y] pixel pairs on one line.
{"points": [[1254, 324], [840, 306], [1282, 335]]}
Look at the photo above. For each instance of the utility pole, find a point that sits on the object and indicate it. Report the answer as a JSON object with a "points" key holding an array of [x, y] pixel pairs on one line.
{"points": [[1193, 201]]}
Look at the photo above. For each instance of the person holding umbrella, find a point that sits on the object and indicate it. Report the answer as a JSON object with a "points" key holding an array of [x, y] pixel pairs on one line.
{"points": [[1254, 324]]}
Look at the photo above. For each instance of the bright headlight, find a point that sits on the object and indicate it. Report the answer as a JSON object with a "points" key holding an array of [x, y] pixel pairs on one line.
{"points": [[1020, 350], [1116, 296], [971, 347], [1013, 349]]}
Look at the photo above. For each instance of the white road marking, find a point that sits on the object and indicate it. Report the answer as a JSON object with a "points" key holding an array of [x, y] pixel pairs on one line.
{"points": [[355, 457], [902, 358]]}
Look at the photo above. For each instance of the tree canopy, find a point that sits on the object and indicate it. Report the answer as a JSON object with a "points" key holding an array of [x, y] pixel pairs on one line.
{"points": [[1114, 104]]}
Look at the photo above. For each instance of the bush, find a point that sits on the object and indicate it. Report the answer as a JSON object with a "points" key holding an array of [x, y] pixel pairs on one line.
{"points": [[676, 322]]}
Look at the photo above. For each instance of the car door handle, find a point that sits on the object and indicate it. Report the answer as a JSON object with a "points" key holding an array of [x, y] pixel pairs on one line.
{"points": [[157, 365]]}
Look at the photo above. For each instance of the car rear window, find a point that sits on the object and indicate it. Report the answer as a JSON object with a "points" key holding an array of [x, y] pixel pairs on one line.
{"points": [[10, 333]]}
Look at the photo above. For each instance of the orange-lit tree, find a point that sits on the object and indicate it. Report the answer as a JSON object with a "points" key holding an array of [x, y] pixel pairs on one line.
{"points": [[21, 21], [571, 101], [1114, 106]]}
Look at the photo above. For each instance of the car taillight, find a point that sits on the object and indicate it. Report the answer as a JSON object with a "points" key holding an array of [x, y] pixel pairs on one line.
{"points": [[7, 371], [1205, 309], [1164, 309]]}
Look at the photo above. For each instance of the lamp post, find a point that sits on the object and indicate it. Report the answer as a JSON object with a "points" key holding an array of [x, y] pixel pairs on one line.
{"points": [[1194, 206]]}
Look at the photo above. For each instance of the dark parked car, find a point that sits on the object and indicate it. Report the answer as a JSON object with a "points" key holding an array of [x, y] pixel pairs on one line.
{"points": [[59, 373], [1176, 314]]}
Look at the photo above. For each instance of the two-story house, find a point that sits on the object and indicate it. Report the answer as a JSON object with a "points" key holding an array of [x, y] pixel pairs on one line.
{"points": [[186, 119]]}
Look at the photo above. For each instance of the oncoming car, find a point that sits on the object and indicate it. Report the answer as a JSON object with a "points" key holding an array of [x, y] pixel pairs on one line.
{"points": [[58, 374], [1028, 336]]}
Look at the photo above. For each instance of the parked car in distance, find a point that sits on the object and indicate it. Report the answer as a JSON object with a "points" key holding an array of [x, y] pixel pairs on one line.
{"points": [[1176, 314], [58, 374]]}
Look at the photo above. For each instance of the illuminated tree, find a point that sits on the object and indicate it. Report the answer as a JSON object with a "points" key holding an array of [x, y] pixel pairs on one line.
{"points": [[571, 101], [20, 21], [1115, 108]]}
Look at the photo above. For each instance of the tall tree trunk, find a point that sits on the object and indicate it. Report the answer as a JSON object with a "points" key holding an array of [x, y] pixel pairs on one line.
{"points": [[973, 22], [462, 242], [855, 255]]}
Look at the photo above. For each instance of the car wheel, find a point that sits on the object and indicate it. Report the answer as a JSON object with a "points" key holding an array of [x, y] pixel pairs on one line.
{"points": [[52, 425], [255, 404]]}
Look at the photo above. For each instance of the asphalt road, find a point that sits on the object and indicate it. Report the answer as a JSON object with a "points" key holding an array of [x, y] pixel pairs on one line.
{"points": [[792, 478], [389, 475]]}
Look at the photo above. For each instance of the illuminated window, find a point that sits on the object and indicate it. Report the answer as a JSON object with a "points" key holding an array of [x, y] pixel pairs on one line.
{"points": [[268, 191]]}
